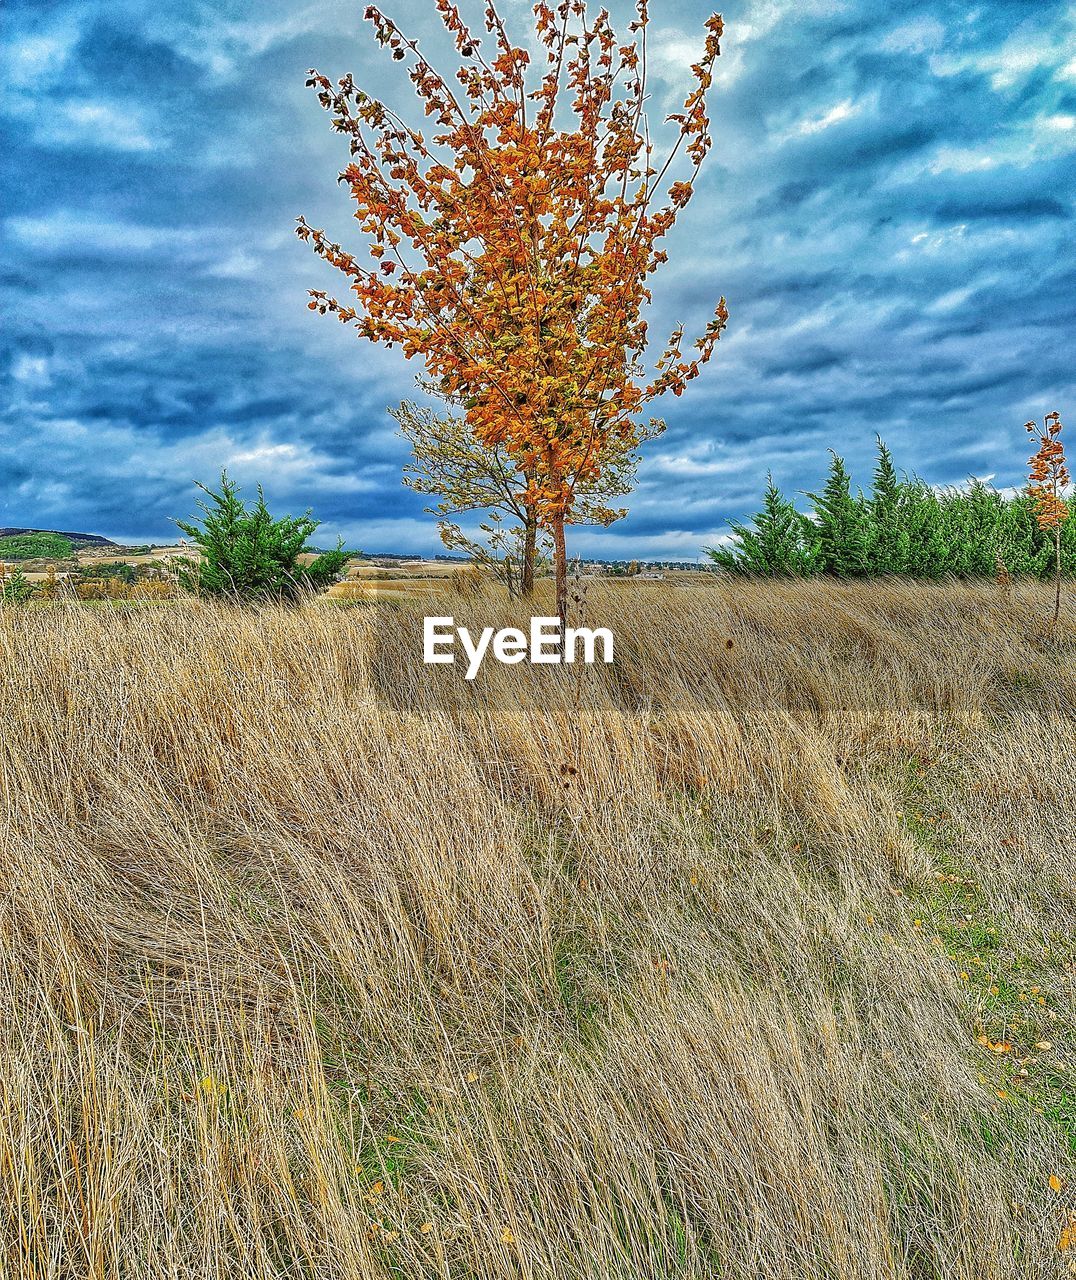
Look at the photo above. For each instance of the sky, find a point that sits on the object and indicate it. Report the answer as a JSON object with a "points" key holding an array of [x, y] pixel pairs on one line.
{"points": [[888, 208]]}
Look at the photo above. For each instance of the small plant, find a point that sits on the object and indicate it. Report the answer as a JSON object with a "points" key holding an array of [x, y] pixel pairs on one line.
{"points": [[1049, 479], [50, 588], [248, 555], [15, 588]]}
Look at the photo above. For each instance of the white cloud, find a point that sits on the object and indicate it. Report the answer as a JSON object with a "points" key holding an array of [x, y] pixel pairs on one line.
{"points": [[934, 240], [1007, 65], [45, 494], [815, 124], [962, 160], [32, 59], [65, 229], [100, 124], [238, 265], [676, 544], [1021, 146], [32, 371], [683, 464], [282, 463], [950, 301], [916, 36], [221, 45], [84, 122]]}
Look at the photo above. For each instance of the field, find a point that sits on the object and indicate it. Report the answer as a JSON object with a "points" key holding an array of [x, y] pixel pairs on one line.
{"points": [[750, 957]]}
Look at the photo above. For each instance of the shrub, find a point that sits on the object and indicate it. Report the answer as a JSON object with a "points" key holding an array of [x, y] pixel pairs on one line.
{"points": [[14, 587], [118, 569], [248, 555]]}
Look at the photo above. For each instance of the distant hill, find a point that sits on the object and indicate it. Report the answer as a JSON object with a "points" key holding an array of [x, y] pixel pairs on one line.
{"points": [[79, 539]]}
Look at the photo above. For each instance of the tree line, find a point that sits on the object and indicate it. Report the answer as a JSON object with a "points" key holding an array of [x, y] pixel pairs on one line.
{"points": [[902, 526]]}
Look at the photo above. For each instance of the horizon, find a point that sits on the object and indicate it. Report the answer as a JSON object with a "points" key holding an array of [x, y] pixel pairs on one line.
{"points": [[885, 208]]}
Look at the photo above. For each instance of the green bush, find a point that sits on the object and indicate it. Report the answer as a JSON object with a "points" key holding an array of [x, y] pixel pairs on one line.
{"points": [[783, 542], [15, 589], [35, 546], [248, 555], [903, 526], [127, 573]]}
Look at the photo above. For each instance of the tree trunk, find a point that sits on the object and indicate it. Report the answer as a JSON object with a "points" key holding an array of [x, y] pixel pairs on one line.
{"points": [[1057, 573], [560, 569], [530, 544]]}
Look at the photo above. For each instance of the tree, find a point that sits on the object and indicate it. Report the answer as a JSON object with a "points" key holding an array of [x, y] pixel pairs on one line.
{"points": [[248, 555], [501, 550], [782, 542], [15, 588], [907, 527], [843, 529], [889, 536], [1049, 480], [512, 251], [449, 463]]}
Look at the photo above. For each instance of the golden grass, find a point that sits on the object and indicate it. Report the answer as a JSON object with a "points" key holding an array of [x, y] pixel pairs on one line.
{"points": [[317, 962]]}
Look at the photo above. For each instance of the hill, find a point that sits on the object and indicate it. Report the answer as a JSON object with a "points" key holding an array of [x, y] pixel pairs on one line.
{"points": [[78, 539], [751, 955]]}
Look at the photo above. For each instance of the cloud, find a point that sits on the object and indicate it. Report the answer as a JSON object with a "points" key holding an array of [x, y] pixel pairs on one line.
{"points": [[921, 35], [96, 124], [64, 231], [815, 124], [887, 209]]}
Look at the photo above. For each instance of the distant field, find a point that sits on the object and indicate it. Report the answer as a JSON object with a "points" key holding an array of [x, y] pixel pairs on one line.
{"points": [[750, 957]]}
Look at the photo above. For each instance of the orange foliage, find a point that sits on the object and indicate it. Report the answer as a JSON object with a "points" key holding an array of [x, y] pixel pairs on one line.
{"points": [[512, 250], [1049, 472], [1048, 481]]}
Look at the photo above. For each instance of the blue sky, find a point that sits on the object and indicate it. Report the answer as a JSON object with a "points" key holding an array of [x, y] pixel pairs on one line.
{"points": [[888, 209]]}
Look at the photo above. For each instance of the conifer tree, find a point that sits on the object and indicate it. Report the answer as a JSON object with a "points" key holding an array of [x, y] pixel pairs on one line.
{"points": [[889, 537], [780, 541], [908, 527], [843, 529], [15, 588], [247, 555]]}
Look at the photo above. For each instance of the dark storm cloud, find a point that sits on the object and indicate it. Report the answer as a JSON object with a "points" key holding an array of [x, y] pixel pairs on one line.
{"points": [[888, 208]]}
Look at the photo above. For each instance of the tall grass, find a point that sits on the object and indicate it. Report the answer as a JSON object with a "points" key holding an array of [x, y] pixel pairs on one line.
{"points": [[729, 960]]}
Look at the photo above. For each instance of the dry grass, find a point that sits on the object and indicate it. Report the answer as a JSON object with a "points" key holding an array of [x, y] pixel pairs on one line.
{"points": [[320, 963]]}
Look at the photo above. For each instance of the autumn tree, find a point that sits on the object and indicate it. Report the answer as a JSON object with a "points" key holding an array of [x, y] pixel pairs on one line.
{"points": [[512, 250], [449, 463], [1049, 479]]}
